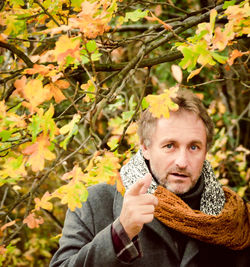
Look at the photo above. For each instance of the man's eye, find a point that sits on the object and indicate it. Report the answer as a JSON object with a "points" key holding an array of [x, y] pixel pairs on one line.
{"points": [[169, 146], [194, 147]]}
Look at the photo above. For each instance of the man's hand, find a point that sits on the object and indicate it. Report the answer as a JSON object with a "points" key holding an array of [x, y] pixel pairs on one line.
{"points": [[138, 207]]}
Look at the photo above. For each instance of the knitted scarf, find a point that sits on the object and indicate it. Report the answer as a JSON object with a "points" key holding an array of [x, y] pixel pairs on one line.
{"points": [[221, 213], [231, 228]]}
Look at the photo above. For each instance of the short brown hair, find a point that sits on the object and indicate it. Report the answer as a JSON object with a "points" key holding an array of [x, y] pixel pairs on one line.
{"points": [[186, 100]]}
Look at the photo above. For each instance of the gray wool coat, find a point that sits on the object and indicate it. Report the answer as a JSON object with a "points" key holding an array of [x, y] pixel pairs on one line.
{"points": [[87, 241]]}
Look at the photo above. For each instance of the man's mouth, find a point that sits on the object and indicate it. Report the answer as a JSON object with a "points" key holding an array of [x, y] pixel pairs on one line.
{"points": [[181, 175]]}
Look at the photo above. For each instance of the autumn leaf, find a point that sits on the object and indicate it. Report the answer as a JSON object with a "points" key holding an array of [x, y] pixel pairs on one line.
{"points": [[235, 54], [74, 192], [41, 69], [159, 105], [92, 20], [13, 167], [43, 122], [32, 221], [32, 91], [39, 152], [44, 202], [19, 85], [66, 46], [177, 73], [194, 72], [55, 90], [7, 225], [70, 129]]}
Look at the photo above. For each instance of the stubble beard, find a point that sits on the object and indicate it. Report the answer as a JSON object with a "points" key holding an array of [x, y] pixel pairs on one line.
{"points": [[177, 188]]}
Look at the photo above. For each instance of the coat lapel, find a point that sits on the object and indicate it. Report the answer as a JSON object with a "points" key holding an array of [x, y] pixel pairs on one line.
{"points": [[191, 250]]}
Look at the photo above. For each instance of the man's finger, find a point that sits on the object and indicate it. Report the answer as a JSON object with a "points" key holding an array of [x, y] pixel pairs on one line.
{"points": [[141, 186]]}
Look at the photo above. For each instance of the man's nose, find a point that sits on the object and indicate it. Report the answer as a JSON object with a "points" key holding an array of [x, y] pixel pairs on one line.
{"points": [[182, 159]]}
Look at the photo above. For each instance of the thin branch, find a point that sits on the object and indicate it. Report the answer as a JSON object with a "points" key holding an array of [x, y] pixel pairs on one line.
{"points": [[46, 12]]}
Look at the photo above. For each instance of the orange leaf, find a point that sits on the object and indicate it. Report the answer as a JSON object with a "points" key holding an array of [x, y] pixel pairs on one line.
{"points": [[43, 70], [55, 91], [19, 84], [33, 92], [7, 225], [236, 53], [3, 250], [38, 153], [194, 72], [32, 221], [66, 46]]}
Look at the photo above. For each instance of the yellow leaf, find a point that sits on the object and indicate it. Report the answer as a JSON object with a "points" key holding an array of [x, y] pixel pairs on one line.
{"points": [[38, 153], [159, 105], [194, 72], [44, 202], [66, 46], [69, 127]]}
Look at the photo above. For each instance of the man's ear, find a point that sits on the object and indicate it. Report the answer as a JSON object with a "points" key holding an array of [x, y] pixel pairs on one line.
{"points": [[145, 151]]}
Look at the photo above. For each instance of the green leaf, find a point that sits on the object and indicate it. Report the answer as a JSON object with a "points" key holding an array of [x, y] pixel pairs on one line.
{"points": [[16, 2], [5, 135], [144, 103], [34, 127], [17, 162], [221, 59], [135, 15], [95, 56], [76, 3], [1, 59], [91, 46], [84, 59], [228, 3]]}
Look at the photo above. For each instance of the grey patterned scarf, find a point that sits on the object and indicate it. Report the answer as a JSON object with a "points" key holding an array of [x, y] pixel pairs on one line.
{"points": [[212, 198]]}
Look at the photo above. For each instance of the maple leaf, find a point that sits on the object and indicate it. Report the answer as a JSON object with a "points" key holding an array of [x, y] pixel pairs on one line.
{"points": [[235, 54], [75, 192], [66, 46], [43, 70], [55, 89], [159, 105], [72, 194], [102, 168], [33, 92], [13, 167], [71, 128], [92, 21], [19, 84], [7, 225], [38, 153], [44, 202], [32, 221]]}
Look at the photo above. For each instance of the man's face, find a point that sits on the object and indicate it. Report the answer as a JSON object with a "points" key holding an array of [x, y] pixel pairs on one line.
{"points": [[177, 151]]}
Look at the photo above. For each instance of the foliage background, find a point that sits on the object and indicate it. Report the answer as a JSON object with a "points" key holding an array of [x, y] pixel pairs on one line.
{"points": [[74, 75]]}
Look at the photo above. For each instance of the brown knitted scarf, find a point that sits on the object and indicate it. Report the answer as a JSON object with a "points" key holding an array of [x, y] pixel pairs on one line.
{"points": [[231, 228]]}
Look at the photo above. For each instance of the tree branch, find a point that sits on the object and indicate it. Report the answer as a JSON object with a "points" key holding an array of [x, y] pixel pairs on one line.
{"points": [[17, 52]]}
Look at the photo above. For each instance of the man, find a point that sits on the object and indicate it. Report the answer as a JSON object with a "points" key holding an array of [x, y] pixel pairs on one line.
{"points": [[174, 212]]}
